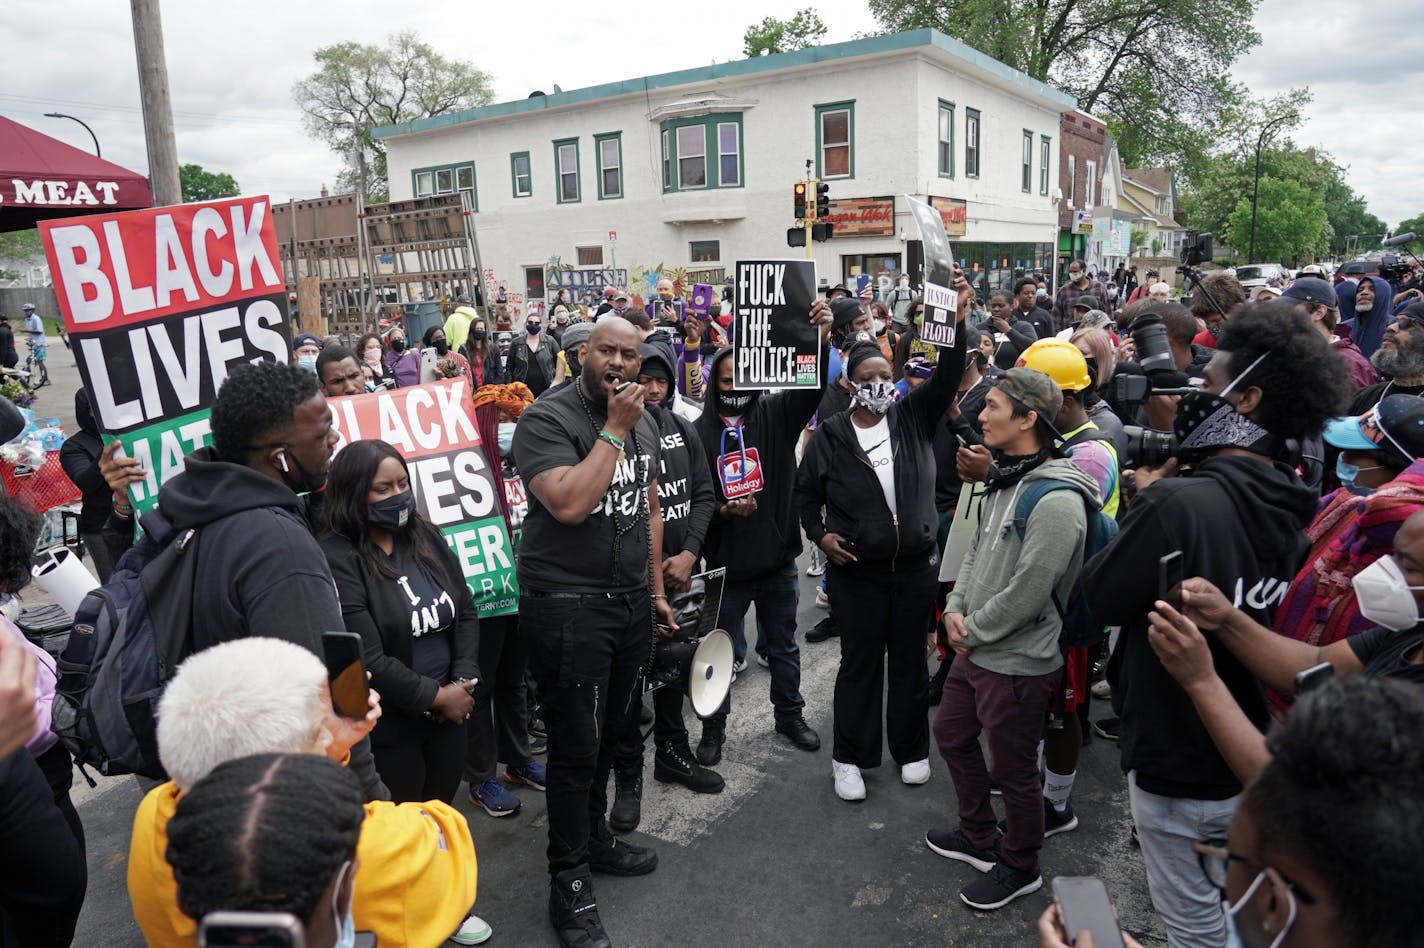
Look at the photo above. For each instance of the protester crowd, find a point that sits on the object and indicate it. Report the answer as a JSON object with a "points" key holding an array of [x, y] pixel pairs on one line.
{"points": [[1199, 512]]}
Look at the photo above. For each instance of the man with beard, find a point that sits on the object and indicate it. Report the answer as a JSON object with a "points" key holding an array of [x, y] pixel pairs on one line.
{"points": [[1080, 285], [755, 536], [590, 551], [686, 496], [1399, 358]]}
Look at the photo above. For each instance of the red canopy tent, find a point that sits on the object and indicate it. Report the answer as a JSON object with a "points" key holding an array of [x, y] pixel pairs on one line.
{"points": [[42, 178]]}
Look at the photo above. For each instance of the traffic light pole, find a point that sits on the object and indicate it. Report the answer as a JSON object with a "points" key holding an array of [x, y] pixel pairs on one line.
{"points": [[809, 223]]}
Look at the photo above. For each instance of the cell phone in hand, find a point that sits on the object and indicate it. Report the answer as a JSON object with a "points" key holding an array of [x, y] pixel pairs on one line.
{"points": [[1313, 677], [241, 929], [350, 692], [1084, 904], [1169, 579]]}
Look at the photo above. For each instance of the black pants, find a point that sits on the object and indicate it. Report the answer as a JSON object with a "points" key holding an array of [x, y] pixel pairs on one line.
{"points": [[498, 726], [58, 769], [585, 652], [424, 761], [880, 614], [668, 728], [43, 874]]}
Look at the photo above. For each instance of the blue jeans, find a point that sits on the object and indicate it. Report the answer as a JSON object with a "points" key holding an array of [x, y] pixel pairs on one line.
{"points": [[1181, 892], [776, 596]]}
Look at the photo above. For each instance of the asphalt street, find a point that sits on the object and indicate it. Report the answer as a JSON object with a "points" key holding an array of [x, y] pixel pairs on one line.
{"points": [[775, 859]]}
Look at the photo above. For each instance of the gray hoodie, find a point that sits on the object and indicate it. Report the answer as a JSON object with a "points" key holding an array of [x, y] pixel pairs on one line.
{"points": [[1005, 586]]}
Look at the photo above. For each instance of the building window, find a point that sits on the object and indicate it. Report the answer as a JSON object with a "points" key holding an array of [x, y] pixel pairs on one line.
{"points": [[1045, 146], [1072, 180], [520, 174], [704, 152], [729, 154], [705, 251], [971, 142], [1090, 188], [835, 140], [589, 256], [446, 179], [566, 163], [609, 151], [946, 139], [1027, 183]]}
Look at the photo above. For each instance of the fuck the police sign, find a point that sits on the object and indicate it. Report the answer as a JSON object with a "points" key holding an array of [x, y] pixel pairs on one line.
{"points": [[774, 344]]}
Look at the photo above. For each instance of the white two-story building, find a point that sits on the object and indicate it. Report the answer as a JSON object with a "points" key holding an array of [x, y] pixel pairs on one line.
{"points": [[683, 173]]}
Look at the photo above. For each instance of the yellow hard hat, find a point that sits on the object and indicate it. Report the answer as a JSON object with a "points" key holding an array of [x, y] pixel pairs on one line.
{"points": [[1061, 361]]}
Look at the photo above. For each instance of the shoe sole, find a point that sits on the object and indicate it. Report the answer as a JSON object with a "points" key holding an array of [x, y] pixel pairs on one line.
{"points": [[1033, 886], [518, 781], [809, 748], [1105, 735], [1072, 824], [640, 870], [851, 799], [495, 813], [963, 857], [677, 779]]}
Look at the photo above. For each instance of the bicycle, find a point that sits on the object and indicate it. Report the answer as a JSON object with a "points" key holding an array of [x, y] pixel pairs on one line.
{"points": [[36, 372]]}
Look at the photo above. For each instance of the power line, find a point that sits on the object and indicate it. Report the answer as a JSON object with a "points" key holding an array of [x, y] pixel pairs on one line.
{"points": [[215, 117]]}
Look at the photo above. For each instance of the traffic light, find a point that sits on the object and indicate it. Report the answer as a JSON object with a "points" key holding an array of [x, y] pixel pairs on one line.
{"points": [[799, 200], [823, 200], [822, 230], [796, 236]]}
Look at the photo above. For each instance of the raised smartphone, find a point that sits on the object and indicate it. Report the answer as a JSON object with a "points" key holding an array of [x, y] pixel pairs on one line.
{"points": [[1084, 904], [350, 692]]}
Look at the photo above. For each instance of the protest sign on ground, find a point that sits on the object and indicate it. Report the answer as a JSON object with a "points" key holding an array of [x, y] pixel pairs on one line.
{"points": [[940, 300], [775, 345]]}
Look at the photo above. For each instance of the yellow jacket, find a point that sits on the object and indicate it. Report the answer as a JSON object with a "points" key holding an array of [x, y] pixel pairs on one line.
{"points": [[415, 884]]}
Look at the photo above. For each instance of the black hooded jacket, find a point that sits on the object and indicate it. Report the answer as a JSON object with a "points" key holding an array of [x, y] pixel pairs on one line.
{"points": [[1239, 523], [758, 545], [685, 491], [79, 456], [836, 475]]}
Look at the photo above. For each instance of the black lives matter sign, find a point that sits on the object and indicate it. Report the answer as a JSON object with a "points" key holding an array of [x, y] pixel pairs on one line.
{"points": [[160, 306], [775, 345]]}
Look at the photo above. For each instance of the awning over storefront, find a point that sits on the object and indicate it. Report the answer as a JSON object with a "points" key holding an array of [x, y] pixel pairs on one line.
{"points": [[42, 178]]}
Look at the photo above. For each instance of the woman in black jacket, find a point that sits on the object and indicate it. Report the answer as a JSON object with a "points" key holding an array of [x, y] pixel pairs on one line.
{"points": [[402, 590], [483, 353], [866, 496]]}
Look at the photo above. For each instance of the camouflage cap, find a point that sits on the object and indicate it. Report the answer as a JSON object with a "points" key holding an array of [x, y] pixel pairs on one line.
{"points": [[1034, 391]]}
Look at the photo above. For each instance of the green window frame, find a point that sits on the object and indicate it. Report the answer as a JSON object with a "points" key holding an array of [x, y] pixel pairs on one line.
{"points": [[563, 175], [518, 177], [945, 135], [703, 153], [1026, 184], [830, 141], [609, 174], [972, 129], [446, 179], [1045, 151]]}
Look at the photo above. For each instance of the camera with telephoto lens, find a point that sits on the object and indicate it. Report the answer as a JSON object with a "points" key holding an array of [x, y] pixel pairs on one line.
{"points": [[1129, 389], [1148, 447]]}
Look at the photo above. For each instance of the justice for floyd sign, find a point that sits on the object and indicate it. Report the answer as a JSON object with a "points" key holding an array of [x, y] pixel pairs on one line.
{"points": [[160, 305], [940, 301], [431, 426], [775, 344]]}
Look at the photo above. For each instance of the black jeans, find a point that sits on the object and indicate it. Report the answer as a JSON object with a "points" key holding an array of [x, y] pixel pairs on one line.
{"points": [[882, 614], [43, 874], [498, 728], [585, 652], [668, 728], [424, 763]]}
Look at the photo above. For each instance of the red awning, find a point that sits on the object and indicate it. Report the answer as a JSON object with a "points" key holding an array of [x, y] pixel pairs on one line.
{"points": [[42, 178]]}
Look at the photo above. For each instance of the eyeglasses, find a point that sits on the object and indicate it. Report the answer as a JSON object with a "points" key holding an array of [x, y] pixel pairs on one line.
{"points": [[1410, 319], [1214, 859]]}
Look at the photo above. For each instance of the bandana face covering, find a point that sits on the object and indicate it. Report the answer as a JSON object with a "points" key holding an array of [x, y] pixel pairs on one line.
{"points": [[877, 397], [1206, 422], [1008, 469]]}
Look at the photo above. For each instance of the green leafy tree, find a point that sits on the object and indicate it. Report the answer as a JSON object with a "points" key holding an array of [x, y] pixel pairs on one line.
{"points": [[357, 87], [1290, 222], [1137, 238], [1413, 225], [201, 185], [782, 36]]}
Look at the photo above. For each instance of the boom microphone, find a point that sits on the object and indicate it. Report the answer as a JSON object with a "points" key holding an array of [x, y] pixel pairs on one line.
{"points": [[1397, 240]]}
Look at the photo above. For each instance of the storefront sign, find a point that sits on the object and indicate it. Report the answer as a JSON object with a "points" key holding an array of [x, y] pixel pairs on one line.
{"points": [[1082, 222], [864, 217], [954, 213]]}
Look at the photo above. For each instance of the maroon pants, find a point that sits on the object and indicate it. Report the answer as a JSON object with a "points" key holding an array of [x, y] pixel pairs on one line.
{"points": [[1011, 709]]}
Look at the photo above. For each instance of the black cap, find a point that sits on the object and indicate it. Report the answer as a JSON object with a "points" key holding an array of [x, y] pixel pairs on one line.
{"points": [[844, 311]]}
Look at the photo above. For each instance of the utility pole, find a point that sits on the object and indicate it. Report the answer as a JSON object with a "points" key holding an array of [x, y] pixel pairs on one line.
{"points": [[157, 104]]}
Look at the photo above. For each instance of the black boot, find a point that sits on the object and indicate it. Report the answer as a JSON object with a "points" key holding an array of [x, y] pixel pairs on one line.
{"points": [[573, 912], [673, 763], [627, 809], [709, 749]]}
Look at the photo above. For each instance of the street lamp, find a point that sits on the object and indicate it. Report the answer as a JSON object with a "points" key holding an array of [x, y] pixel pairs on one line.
{"points": [[1256, 184], [97, 152]]}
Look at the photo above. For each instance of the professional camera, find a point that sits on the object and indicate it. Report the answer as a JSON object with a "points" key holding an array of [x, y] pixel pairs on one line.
{"points": [[1396, 270], [1196, 250], [1154, 373], [1148, 447]]}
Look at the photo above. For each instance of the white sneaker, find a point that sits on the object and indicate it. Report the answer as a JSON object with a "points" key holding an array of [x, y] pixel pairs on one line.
{"points": [[916, 773], [849, 784], [473, 931], [763, 660], [822, 599], [818, 563], [1101, 689]]}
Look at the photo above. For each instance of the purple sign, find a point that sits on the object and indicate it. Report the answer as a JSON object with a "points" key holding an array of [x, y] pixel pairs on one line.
{"points": [[702, 297]]}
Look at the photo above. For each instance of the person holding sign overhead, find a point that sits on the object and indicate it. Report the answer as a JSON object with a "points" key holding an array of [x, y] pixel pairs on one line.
{"points": [[403, 591], [865, 493]]}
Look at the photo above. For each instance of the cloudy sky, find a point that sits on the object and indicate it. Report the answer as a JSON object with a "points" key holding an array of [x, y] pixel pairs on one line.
{"points": [[232, 67]]}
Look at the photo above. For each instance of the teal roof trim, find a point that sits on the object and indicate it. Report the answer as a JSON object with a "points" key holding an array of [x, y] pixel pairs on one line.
{"points": [[869, 46]]}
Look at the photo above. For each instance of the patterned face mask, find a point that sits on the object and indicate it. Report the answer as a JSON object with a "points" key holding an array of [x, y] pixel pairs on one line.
{"points": [[1206, 422], [875, 396]]}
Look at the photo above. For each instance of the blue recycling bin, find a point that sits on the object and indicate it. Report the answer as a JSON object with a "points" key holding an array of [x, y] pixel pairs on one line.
{"points": [[418, 317]]}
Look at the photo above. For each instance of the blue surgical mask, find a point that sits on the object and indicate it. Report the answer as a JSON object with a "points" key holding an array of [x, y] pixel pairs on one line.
{"points": [[308, 363], [1232, 909], [506, 438], [1347, 473], [345, 924]]}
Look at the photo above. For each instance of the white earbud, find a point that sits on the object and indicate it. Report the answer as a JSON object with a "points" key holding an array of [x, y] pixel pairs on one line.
{"points": [[282, 461]]}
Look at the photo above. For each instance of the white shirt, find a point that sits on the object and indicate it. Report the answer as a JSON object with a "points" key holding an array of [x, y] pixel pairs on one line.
{"points": [[875, 442]]}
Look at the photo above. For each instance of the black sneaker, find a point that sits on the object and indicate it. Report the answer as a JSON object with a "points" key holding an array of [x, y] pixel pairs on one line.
{"points": [[1000, 886], [1055, 822], [618, 857], [573, 912], [799, 732], [673, 763], [1108, 728], [709, 749], [627, 810], [952, 844], [825, 629]]}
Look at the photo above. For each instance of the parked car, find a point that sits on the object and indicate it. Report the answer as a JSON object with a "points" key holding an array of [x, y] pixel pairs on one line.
{"points": [[1260, 274]]}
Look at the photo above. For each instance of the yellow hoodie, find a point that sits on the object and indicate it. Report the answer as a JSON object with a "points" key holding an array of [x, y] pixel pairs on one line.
{"points": [[415, 884]]}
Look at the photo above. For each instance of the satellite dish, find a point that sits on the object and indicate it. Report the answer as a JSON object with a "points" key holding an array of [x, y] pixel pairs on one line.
{"points": [[557, 90]]}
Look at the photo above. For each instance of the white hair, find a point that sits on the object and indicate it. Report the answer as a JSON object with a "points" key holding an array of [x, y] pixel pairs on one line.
{"points": [[249, 696], [1156, 288]]}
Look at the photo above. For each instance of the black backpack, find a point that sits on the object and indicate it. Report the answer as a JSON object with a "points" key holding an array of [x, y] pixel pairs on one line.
{"points": [[129, 637]]}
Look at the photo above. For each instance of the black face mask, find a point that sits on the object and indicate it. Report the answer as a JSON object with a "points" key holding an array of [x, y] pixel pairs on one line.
{"points": [[736, 401], [441, 347], [398, 345], [478, 335], [300, 480], [392, 513], [575, 366]]}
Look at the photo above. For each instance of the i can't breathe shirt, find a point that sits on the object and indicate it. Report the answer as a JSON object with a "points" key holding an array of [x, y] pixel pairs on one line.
{"points": [[432, 616], [875, 442]]}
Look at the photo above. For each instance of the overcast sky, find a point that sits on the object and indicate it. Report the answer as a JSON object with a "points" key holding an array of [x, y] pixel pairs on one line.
{"points": [[232, 67]]}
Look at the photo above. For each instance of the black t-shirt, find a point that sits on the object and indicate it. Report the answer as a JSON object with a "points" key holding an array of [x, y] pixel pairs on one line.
{"points": [[1386, 653], [557, 432], [432, 616], [1371, 395]]}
